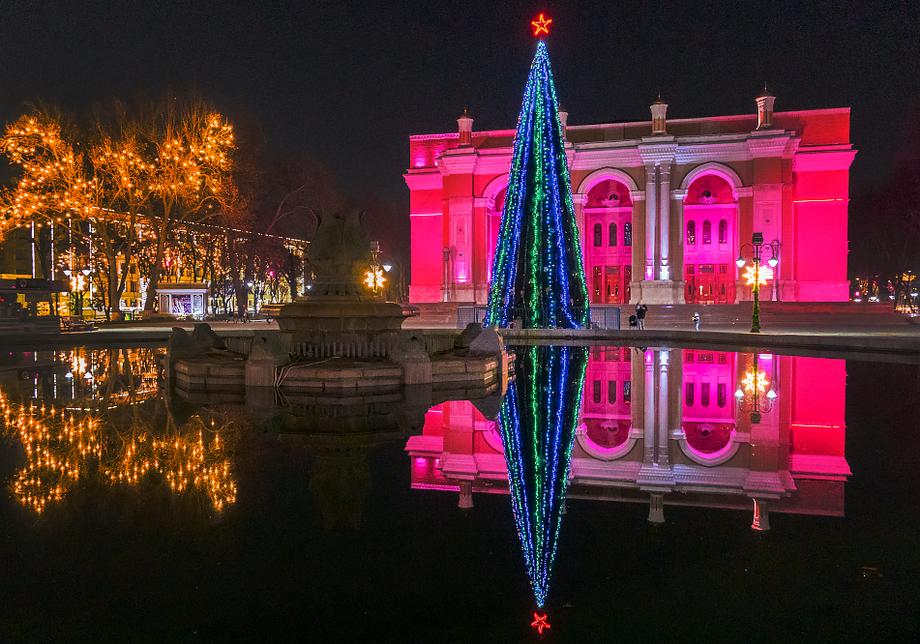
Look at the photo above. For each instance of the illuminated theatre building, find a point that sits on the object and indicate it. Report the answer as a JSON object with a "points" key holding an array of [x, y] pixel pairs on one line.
{"points": [[708, 435], [663, 206]]}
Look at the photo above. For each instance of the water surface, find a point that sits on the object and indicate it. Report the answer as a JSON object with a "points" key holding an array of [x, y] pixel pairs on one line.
{"points": [[132, 515]]}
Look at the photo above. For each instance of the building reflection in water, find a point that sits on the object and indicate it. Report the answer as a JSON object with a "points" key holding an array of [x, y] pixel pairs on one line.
{"points": [[758, 433], [97, 414]]}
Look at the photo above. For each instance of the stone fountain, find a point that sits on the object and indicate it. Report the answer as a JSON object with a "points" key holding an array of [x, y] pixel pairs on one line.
{"points": [[338, 338], [339, 317]]}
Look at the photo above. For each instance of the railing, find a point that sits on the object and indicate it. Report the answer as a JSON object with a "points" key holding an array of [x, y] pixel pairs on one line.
{"points": [[605, 317], [602, 317], [377, 348], [466, 315]]}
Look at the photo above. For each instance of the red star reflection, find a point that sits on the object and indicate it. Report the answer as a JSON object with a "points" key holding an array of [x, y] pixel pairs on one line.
{"points": [[540, 623]]}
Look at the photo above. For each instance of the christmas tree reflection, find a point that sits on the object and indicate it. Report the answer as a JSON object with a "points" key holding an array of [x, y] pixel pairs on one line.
{"points": [[538, 419]]}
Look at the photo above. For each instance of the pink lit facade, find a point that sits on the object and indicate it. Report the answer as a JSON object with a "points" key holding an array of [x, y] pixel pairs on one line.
{"points": [[663, 206], [689, 442]]}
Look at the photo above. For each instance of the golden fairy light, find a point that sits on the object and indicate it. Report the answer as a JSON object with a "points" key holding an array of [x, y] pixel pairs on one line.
{"points": [[754, 380], [374, 279], [763, 274], [64, 445]]}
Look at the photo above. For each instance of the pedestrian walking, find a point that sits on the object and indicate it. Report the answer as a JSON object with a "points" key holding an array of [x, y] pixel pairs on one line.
{"points": [[696, 320]]}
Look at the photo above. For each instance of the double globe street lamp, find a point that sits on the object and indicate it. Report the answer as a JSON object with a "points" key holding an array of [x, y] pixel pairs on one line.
{"points": [[758, 275]]}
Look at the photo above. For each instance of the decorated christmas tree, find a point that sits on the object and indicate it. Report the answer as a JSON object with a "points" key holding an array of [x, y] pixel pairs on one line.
{"points": [[537, 274], [537, 420]]}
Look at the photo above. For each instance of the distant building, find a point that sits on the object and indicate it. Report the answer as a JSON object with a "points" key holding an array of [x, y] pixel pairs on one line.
{"points": [[663, 206]]}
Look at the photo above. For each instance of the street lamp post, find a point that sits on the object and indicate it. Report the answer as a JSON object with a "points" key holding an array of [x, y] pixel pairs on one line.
{"points": [[374, 278], [756, 276], [774, 264]]}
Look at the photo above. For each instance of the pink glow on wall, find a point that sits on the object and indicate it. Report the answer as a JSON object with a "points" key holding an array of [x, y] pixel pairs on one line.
{"points": [[818, 406], [425, 150]]}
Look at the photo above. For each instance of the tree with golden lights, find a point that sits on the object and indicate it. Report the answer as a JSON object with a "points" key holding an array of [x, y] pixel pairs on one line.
{"points": [[191, 146], [129, 185]]}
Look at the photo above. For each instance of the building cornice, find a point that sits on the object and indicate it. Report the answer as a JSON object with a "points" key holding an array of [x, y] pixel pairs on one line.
{"points": [[657, 153], [428, 180], [458, 161], [768, 144], [824, 158], [590, 157]]}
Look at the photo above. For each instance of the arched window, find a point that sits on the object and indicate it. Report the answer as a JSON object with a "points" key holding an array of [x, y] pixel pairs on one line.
{"points": [[688, 394], [627, 234], [704, 394], [611, 391], [598, 234], [612, 234], [720, 394], [723, 232], [707, 232], [691, 233], [596, 393]]}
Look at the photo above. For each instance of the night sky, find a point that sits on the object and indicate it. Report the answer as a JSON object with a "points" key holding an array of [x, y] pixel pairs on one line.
{"points": [[347, 82]]}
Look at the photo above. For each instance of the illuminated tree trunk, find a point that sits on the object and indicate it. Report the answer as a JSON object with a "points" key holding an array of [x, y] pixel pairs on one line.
{"points": [[163, 229]]}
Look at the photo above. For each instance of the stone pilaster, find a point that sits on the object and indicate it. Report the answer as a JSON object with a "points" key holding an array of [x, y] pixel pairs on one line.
{"points": [[664, 426], [578, 202], [664, 218], [677, 246], [651, 228], [649, 400]]}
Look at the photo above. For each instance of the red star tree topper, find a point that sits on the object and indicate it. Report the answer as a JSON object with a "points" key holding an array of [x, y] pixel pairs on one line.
{"points": [[541, 25]]}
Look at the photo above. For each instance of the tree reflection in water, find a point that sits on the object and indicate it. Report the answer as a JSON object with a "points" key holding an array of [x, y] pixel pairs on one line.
{"points": [[537, 420], [108, 423]]}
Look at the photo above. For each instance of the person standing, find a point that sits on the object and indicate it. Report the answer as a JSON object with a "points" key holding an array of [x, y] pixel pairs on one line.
{"points": [[641, 310]]}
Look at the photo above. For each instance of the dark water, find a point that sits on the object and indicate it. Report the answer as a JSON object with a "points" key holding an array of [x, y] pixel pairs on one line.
{"points": [[139, 517]]}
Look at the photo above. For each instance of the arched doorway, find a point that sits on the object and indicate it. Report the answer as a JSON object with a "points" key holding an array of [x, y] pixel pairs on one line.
{"points": [[493, 228], [708, 406], [710, 234], [608, 242], [607, 403]]}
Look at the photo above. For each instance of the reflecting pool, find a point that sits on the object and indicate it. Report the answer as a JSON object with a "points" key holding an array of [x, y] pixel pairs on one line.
{"points": [[605, 492]]}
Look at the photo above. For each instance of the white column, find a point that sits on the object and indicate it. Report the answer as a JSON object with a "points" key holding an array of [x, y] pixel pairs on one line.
{"points": [[677, 270], [656, 508], [578, 201], [650, 423], [651, 200], [761, 520], [664, 217], [664, 429]]}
